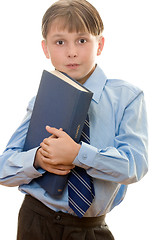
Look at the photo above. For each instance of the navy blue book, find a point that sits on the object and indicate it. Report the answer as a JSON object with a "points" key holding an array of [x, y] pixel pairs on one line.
{"points": [[61, 102]]}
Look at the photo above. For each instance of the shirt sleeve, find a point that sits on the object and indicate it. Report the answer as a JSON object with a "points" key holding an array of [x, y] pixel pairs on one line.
{"points": [[126, 161], [16, 166]]}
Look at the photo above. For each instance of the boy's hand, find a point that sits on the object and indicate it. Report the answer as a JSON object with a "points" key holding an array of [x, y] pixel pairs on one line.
{"points": [[57, 152]]}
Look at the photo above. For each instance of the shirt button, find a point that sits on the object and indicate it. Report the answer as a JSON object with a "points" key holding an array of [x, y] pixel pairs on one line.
{"points": [[84, 156], [58, 217]]}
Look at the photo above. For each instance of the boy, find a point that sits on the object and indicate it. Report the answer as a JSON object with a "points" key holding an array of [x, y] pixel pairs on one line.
{"points": [[117, 153]]}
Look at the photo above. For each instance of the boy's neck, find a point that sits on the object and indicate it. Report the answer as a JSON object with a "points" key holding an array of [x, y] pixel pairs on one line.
{"points": [[83, 80]]}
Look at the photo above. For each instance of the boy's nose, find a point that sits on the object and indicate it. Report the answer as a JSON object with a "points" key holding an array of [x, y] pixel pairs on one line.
{"points": [[72, 52], [72, 55]]}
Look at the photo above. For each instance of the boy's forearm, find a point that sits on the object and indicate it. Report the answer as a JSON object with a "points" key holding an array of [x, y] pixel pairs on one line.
{"points": [[112, 164], [16, 168]]}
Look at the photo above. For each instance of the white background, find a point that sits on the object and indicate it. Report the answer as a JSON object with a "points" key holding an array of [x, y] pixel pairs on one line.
{"points": [[131, 53]]}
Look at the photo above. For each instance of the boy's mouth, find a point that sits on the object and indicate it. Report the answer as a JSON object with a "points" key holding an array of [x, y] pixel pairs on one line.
{"points": [[72, 65]]}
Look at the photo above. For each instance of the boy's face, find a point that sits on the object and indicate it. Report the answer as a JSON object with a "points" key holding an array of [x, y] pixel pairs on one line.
{"points": [[73, 53]]}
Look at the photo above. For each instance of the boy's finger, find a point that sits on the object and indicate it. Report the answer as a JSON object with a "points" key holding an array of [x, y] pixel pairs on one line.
{"points": [[54, 136], [54, 131]]}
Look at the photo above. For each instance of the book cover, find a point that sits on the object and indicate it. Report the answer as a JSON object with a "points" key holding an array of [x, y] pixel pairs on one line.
{"points": [[61, 102]]}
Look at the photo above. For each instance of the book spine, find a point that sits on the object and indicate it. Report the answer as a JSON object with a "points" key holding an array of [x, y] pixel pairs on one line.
{"points": [[79, 116]]}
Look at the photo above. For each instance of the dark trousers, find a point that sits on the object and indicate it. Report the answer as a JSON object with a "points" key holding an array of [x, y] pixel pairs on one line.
{"points": [[38, 222]]}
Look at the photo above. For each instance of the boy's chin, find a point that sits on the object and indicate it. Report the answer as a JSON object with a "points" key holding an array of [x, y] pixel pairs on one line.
{"points": [[73, 73]]}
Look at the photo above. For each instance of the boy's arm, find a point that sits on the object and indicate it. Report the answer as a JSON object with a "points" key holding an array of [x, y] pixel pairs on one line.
{"points": [[16, 167], [127, 161]]}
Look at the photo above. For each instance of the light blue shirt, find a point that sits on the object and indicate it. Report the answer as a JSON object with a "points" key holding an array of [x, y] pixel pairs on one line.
{"points": [[116, 157]]}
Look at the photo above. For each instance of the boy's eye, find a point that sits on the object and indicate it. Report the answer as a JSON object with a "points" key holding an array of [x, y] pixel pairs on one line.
{"points": [[82, 41], [60, 42]]}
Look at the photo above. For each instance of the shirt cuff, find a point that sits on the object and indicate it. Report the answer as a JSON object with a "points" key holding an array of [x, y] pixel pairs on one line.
{"points": [[86, 156]]}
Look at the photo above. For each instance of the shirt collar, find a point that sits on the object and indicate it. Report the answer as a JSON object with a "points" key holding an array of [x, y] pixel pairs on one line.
{"points": [[96, 83]]}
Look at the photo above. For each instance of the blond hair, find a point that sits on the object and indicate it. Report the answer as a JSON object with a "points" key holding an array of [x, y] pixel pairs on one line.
{"points": [[75, 15]]}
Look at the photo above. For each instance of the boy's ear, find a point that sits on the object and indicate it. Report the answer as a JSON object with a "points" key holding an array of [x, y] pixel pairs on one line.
{"points": [[45, 49], [100, 45]]}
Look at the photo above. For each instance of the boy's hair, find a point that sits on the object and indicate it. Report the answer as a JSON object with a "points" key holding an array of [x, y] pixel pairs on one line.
{"points": [[75, 15]]}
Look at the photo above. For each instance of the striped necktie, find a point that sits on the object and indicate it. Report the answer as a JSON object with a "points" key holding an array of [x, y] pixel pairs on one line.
{"points": [[80, 184]]}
